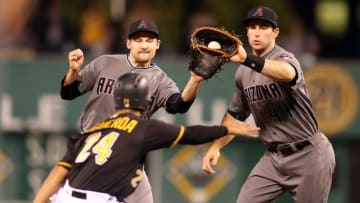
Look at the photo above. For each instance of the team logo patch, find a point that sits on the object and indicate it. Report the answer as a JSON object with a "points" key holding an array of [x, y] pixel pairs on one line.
{"points": [[285, 56]]}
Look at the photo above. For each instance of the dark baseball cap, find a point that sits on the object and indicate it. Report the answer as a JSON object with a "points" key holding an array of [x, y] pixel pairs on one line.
{"points": [[143, 25], [262, 13]]}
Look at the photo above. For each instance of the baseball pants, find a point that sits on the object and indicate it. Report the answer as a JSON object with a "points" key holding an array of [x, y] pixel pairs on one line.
{"points": [[143, 193], [69, 194], [306, 175]]}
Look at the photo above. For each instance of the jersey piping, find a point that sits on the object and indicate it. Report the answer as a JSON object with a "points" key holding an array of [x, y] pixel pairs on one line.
{"points": [[152, 65], [269, 53], [64, 164], [178, 138]]}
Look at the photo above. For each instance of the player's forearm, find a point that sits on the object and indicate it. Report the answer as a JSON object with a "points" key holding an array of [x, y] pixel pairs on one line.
{"points": [[175, 104], [70, 77], [191, 88], [198, 134], [53, 182], [180, 103], [222, 142]]}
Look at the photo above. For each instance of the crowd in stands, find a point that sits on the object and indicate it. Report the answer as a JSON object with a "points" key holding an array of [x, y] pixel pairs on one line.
{"points": [[32, 28]]}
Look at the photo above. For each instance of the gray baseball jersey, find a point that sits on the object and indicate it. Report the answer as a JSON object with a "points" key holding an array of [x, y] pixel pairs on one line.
{"points": [[283, 111], [99, 77]]}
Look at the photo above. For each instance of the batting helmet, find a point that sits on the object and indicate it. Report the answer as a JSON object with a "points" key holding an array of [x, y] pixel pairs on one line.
{"points": [[131, 92]]}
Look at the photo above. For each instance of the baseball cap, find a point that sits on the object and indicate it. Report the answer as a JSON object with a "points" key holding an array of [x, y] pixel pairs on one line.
{"points": [[143, 25], [262, 13]]}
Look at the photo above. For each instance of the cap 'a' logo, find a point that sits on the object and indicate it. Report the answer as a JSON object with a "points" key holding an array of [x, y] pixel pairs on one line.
{"points": [[259, 12], [143, 24]]}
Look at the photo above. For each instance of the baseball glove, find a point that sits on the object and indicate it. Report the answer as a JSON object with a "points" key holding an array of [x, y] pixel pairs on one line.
{"points": [[210, 48]]}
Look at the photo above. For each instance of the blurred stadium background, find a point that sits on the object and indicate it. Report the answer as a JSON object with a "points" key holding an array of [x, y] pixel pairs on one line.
{"points": [[36, 35]]}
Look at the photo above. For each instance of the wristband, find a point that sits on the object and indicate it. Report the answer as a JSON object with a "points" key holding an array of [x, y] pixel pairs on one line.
{"points": [[254, 62]]}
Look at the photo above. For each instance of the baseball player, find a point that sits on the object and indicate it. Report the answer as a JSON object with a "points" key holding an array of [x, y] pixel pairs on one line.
{"points": [[106, 162], [98, 78], [270, 85]]}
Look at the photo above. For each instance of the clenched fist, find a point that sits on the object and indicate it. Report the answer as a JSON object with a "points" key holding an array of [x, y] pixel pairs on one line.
{"points": [[76, 59]]}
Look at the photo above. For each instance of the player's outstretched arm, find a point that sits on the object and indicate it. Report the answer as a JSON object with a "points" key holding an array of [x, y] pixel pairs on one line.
{"points": [[191, 88], [275, 69], [201, 134], [51, 185], [239, 128], [181, 102]]}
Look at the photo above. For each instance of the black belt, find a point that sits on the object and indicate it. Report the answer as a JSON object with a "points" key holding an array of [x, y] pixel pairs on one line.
{"points": [[289, 148], [82, 195]]}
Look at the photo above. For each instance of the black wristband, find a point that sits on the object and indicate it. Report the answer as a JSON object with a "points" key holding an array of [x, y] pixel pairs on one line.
{"points": [[254, 62]]}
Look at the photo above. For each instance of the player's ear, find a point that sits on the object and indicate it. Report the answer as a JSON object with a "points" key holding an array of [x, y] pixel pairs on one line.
{"points": [[158, 44], [276, 32], [128, 43]]}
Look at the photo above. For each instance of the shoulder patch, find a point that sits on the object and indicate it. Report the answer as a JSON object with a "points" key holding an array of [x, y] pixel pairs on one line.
{"points": [[286, 56]]}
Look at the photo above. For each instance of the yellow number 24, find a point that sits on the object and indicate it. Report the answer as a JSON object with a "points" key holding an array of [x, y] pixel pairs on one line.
{"points": [[102, 148]]}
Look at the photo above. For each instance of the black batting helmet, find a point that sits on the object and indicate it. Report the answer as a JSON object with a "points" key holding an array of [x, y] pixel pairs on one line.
{"points": [[131, 92]]}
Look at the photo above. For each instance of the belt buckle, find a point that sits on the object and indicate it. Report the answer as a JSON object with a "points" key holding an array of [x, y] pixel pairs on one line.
{"points": [[285, 149]]}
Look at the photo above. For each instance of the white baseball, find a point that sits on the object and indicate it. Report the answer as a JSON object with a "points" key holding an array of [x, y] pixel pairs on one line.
{"points": [[214, 45]]}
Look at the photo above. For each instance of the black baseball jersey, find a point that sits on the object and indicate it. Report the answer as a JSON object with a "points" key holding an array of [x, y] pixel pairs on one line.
{"points": [[110, 157]]}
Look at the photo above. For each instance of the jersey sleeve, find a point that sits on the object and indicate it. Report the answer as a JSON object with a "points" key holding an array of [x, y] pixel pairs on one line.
{"points": [[162, 135], [238, 107], [167, 87], [88, 75], [290, 58]]}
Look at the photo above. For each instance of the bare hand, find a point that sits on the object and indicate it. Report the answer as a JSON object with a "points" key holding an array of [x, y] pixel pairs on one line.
{"points": [[211, 158], [76, 59], [196, 77], [240, 56]]}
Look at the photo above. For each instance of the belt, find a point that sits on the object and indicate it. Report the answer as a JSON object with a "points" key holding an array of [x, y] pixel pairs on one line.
{"points": [[288, 148], [83, 195], [80, 195]]}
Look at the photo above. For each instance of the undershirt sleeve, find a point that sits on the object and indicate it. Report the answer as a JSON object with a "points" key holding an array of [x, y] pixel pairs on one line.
{"points": [[163, 135], [175, 104], [70, 91]]}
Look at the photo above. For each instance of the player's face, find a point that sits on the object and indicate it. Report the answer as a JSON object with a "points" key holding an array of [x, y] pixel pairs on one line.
{"points": [[143, 47], [261, 36]]}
